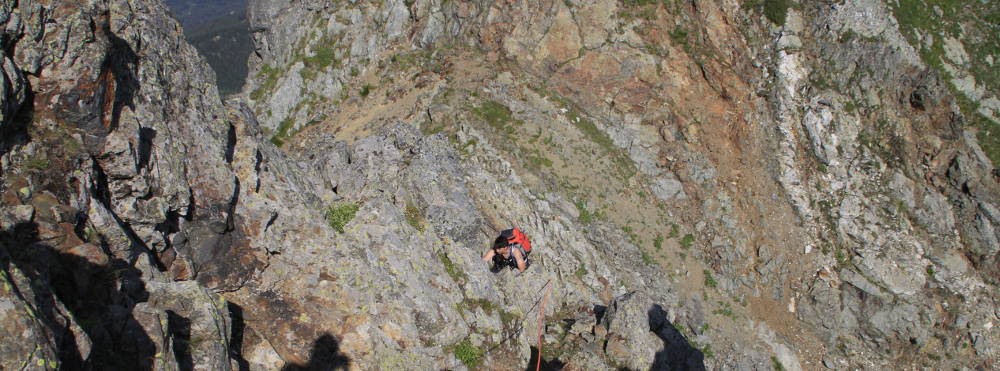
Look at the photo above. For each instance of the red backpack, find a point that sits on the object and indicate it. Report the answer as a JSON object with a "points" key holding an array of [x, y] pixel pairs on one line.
{"points": [[516, 236]]}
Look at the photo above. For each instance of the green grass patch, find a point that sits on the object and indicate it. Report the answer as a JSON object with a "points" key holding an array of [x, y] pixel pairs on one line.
{"points": [[283, 132], [821, 167], [687, 241], [841, 257], [632, 237], [776, 364], [36, 163], [580, 271], [920, 14], [679, 35], [469, 354], [847, 36], [453, 270], [675, 230], [338, 215], [776, 11], [495, 115], [658, 242], [486, 305], [324, 55], [646, 259], [507, 317], [591, 131], [653, 49], [405, 61], [850, 106], [586, 216], [430, 128], [269, 79], [988, 138], [707, 351], [91, 235], [638, 9], [639, 2], [537, 162], [534, 159], [415, 218], [709, 280], [725, 309], [751, 4], [724, 312], [365, 90], [465, 148]]}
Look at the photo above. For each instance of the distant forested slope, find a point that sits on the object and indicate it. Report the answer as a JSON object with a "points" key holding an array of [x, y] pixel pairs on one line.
{"points": [[195, 13], [220, 32]]}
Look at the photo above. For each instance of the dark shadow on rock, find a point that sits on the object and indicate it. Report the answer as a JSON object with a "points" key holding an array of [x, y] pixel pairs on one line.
{"points": [[677, 353], [599, 311], [15, 132], [238, 328], [100, 298], [124, 64], [230, 143], [325, 356], [180, 339], [146, 138], [553, 365]]}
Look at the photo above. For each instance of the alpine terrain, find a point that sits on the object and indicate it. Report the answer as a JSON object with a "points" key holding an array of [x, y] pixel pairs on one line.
{"points": [[706, 184]]}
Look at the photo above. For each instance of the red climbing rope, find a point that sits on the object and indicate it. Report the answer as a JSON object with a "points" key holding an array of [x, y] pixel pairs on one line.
{"points": [[541, 319]]}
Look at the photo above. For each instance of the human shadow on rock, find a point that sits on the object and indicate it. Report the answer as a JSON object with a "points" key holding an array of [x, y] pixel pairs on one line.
{"points": [[180, 327], [99, 297], [325, 356], [533, 364], [677, 352], [236, 334]]}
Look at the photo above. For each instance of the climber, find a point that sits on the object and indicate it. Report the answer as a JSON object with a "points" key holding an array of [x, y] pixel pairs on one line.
{"points": [[511, 249]]}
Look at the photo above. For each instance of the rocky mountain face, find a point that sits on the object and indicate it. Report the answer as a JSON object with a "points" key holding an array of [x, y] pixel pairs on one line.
{"points": [[706, 184]]}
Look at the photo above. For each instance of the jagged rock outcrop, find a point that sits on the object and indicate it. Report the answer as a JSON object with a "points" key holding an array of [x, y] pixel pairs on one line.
{"points": [[118, 141]]}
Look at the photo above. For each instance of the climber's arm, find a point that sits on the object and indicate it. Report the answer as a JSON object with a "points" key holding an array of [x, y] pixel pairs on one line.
{"points": [[521, 265], [489, 255]]}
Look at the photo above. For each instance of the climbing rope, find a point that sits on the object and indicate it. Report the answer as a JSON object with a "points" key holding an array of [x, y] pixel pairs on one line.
{"points": [[520, 325], [541, 318]]}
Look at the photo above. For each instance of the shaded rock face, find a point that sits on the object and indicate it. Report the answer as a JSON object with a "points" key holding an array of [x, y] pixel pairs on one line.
{"points": [[698, 189]]}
